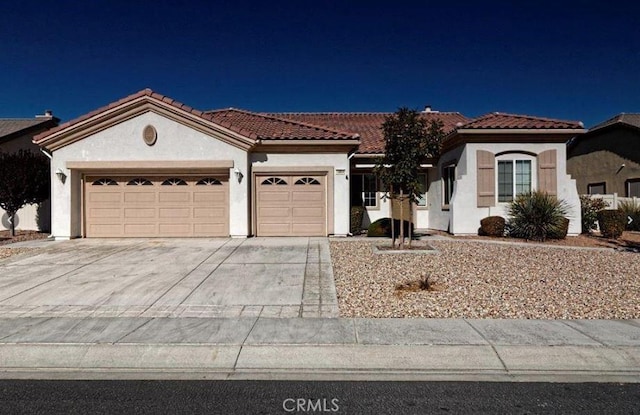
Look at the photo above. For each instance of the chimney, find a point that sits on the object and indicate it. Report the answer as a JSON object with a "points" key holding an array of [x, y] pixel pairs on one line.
{"points": [[47, 114], [427, 108]]}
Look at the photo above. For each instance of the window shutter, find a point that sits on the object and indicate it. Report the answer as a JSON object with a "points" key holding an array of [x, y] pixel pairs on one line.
{"points": [[547, 176], [486, 178]]}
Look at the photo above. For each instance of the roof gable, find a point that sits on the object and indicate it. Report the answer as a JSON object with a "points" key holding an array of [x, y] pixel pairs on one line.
{"points": [[623, 119], [131, 106]]}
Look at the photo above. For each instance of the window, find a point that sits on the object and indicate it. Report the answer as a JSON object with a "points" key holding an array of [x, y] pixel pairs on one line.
{"points": [[174, 181], [208, 181], [448, 179], [364, 190], [633, 188], [274, 180], [307, 180], [597, 188], [139, 181], [514, 178], [105, 181], [422, 197]]}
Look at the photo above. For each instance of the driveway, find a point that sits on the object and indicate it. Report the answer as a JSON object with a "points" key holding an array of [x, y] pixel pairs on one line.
{"points": [[268, 277]]}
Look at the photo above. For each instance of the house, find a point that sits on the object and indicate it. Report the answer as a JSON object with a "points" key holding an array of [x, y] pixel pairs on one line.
{"points": [[147, 166], [17, 134], [606, 159]]}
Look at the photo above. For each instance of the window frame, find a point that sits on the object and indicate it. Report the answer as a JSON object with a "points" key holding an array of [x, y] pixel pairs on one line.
{"points": [[627, 186], [423, 195], [514, 158], [448, 174], [604, 187], [376, 199]]}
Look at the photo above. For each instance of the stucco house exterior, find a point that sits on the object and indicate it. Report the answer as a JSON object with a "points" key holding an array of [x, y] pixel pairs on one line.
{"points": [[148, 166], [606, 159], [17, 134]]}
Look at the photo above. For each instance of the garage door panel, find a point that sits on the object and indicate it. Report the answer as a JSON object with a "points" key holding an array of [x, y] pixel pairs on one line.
{"points": [[315, 196], [139, 197], [174, 197], [308, 212], [107, 197], [174, 213], [298, 208], [139, 213], [140, 206], [199, 212]]}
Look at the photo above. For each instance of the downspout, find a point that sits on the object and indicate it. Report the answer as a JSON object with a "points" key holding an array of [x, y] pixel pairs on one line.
{"points": [[50, 156], [46, 153]]}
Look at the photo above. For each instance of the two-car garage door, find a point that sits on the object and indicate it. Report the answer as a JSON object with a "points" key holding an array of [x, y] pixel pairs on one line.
{"points": [[148, 206]]}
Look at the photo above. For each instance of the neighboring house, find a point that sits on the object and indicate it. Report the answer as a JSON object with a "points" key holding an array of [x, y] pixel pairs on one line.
{"points": [[17, 134], [606, 159], [147, 165]]}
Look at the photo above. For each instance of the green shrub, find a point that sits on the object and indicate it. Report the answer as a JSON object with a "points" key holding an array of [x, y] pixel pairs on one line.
{"points": [[590, 208], [382, 227], [492, 226], [632, 210], [357, 213], [537, 216], [612, 222]]}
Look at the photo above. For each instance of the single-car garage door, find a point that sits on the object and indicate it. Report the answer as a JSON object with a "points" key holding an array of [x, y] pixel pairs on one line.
{"points": [[148, 206], [289, 205]]}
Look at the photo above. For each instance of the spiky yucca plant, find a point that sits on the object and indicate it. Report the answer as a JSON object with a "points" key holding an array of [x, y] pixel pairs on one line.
{"points": [[632, 210], [537, 216]]}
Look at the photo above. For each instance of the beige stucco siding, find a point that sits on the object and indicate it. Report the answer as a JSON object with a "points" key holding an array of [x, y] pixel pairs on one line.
{"points": [[123, 142], [598, 159]]}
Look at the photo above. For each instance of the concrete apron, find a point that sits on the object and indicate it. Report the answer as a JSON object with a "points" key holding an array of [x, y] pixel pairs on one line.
{"points": [[320, 349]]}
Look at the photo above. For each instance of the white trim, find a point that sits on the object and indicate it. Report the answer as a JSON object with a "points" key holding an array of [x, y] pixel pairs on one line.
{"points": [[521, 131]]}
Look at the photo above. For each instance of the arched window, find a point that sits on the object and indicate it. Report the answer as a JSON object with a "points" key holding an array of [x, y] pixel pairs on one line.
{"points": [[307, 180], [139, 181], [208, 181], [174, 181], [273, 180], [105, 181]]}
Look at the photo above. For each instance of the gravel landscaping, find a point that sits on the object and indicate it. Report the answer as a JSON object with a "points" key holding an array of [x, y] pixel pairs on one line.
{"points": [[21, 236], [484, 280]]}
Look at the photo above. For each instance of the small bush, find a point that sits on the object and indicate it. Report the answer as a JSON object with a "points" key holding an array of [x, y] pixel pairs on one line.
{"points": [[357, 213], [590, 208], [492, 226], [612, 222], [632, 210], [382, 227], [537, 216]]}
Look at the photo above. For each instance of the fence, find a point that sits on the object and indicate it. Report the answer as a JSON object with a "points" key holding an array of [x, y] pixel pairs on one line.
{"points": [[614, 201]]}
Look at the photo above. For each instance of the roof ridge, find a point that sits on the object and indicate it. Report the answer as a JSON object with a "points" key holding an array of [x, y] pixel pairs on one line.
{"points": [[524, 116], [292, 122]]}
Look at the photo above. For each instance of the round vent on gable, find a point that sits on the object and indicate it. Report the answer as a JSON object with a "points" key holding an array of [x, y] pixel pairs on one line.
{"points": [[149, 135]]}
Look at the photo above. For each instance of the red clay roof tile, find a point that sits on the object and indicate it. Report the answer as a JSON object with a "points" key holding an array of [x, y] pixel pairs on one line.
{"points": [[498, 120]]}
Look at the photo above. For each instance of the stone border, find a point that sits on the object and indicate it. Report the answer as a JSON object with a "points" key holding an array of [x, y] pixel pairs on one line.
{"points": [[428, 250]]}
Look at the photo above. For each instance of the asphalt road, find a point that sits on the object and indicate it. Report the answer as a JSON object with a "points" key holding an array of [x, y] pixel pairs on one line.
{"points": [[282, 397]]}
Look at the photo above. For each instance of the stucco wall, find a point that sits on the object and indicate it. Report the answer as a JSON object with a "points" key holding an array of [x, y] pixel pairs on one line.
{"points": [[341, 209], [123, 142], [599, 158], [464, 214]]}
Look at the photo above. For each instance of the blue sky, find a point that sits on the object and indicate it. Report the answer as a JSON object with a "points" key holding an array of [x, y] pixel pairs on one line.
{"points": [[579, 60]]}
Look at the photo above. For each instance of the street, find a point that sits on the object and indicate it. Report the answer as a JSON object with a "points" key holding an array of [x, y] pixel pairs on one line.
{"points": [[281, 397]]}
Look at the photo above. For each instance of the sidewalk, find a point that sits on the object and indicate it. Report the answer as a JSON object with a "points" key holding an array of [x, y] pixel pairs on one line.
{"points": [[319, 349]]}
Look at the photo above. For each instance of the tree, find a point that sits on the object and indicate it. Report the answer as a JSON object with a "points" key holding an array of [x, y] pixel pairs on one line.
{"points": [[409, 139], [24, 180]]}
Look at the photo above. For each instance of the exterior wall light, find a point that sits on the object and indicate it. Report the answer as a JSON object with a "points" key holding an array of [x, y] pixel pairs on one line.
{"points": [[239, 174], [61, 176]]}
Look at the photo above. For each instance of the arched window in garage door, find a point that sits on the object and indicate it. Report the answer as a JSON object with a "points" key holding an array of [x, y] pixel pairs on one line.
{"points": [[208, 181], [307, 180], [105, 181], [274, 180], [139, 181], [174, 181]]}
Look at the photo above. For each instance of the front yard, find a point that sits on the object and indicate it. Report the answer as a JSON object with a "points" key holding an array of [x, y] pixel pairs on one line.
{"points": [[484, 280]]}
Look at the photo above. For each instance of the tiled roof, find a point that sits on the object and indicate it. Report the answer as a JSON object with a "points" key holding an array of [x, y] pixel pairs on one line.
{"points": [[632, 119], [367, 125], [499, 120], [13, 125], [275, 127]]}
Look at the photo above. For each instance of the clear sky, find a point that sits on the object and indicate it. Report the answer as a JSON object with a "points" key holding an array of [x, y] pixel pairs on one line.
{"points": [[577, 60]]}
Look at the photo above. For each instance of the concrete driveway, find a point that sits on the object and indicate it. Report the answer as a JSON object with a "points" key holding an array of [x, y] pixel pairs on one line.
{"points": [[267, 277]]}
